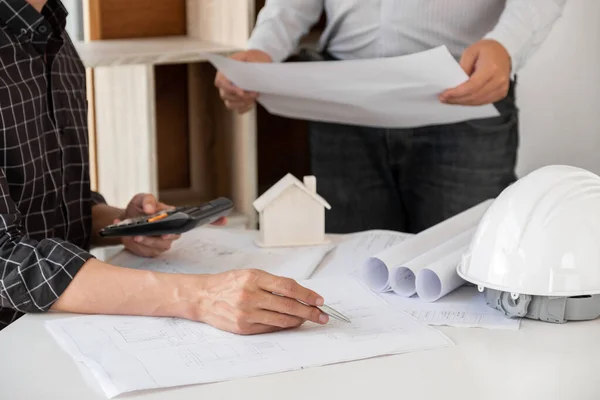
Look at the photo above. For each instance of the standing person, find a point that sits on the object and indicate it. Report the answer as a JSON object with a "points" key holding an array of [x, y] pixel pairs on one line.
{"points": [[410, 179], [49, 217]]}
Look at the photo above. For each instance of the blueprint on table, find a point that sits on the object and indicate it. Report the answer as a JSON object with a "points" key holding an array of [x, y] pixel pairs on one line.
{"points": [[127, 354]]}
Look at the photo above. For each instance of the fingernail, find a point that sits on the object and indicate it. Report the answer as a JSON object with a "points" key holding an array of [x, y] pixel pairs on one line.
{"points": [[323, 318], [137, 239], [320, 301]]}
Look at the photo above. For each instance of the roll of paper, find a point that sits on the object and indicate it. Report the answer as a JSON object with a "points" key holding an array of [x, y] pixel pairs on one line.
{"points": [[402, 278], [440, 278], [377, 270]]}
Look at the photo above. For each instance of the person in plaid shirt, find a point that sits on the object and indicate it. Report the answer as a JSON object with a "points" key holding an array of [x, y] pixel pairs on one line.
{"points": [[49, 217]]}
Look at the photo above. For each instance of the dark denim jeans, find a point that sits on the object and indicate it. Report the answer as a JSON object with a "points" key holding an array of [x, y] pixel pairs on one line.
{"points": [[410, 179]]}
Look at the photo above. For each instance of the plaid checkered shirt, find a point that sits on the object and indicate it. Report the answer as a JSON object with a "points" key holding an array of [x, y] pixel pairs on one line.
{"points": [[45, 195]]}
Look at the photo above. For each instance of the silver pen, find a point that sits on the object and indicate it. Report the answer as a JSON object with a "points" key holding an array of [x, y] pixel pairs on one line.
{"points": [[334, 313], [326, 310]]}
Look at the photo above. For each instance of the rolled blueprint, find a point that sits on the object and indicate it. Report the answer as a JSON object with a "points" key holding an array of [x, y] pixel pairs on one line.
{"points": [[440, 278], [402, 279], [376, 270]]}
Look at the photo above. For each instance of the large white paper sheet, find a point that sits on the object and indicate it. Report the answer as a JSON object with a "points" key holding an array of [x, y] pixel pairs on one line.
{"points": [[127, 354], [213, 250], [463, 308], [353, 249], [395, 92]]}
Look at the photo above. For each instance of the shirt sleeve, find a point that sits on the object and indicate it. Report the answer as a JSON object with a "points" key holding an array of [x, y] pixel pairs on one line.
{"points": [[281, 24], [33, 274], [97, 199], [524, 26]]}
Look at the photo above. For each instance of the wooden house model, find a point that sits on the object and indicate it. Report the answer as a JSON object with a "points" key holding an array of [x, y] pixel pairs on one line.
{"points": [[291, 213]]}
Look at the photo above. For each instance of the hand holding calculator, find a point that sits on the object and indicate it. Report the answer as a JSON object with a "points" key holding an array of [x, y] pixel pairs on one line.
{"points": [[170, 222]]}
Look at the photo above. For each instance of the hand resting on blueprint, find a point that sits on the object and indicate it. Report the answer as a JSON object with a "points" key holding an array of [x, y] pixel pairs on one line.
{"points": [[235, 98], [242, 301]]}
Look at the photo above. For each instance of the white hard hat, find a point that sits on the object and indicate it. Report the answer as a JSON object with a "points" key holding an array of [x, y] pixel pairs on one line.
{"points": [[540, 237]]}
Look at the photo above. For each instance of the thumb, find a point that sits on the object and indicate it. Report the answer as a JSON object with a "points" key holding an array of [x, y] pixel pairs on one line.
{"points": [[468, 60], [149, 204]]}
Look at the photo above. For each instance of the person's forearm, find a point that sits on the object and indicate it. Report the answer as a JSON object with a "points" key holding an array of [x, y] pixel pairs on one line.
{"points": [[102, 216], [524, 26], [100, 288]]}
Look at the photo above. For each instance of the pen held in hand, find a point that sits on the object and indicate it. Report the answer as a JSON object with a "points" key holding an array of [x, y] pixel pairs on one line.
{"points": [[334, 313], [326, 310], [331, 312]]}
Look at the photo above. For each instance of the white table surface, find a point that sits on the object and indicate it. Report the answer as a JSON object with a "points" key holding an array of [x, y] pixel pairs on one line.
{"points": [[540, 361]]}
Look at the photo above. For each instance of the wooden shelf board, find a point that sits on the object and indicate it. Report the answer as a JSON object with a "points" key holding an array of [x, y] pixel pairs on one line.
{"points": [[118, 19], [152, 51]]}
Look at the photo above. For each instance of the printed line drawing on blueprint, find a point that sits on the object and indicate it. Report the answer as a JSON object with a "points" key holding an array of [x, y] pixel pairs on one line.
{"points": [[165, 332], [223, 355], [199, 345], [134, 353], [359, 330], [448, 316]]}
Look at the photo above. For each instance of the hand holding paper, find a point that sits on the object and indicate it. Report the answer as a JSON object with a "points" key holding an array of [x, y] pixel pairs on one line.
{"points": [[395, 92], [488, 65], [234, 97]]}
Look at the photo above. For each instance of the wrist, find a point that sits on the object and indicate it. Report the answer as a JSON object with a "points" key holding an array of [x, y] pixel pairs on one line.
{"points": [[102, 216], [105, 212], [185, 297], [257, 55], [509, 46]]}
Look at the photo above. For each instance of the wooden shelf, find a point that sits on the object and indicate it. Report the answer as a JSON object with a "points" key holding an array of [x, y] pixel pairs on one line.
{"points": [[148, 51], [157, 124], [119, 19]]}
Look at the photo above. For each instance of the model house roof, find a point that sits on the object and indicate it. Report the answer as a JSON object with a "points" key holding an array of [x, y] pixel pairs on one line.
{"points": [[278, 188]]}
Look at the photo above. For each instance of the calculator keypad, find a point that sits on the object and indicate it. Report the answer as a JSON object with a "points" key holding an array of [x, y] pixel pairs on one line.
{"points": [[140, 220]]}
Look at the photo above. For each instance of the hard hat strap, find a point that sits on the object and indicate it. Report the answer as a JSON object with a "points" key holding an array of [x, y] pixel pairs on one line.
{"points": [[545, 308]]}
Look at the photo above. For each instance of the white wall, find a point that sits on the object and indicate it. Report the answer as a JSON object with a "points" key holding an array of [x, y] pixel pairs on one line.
{"points": [[559, 94]]}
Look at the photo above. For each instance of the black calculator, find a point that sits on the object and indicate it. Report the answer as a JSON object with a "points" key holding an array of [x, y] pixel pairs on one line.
{"points": [[176, 221]]}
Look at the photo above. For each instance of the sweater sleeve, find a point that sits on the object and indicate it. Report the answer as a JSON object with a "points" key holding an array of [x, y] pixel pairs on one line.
{"points": [[524, 26]]}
